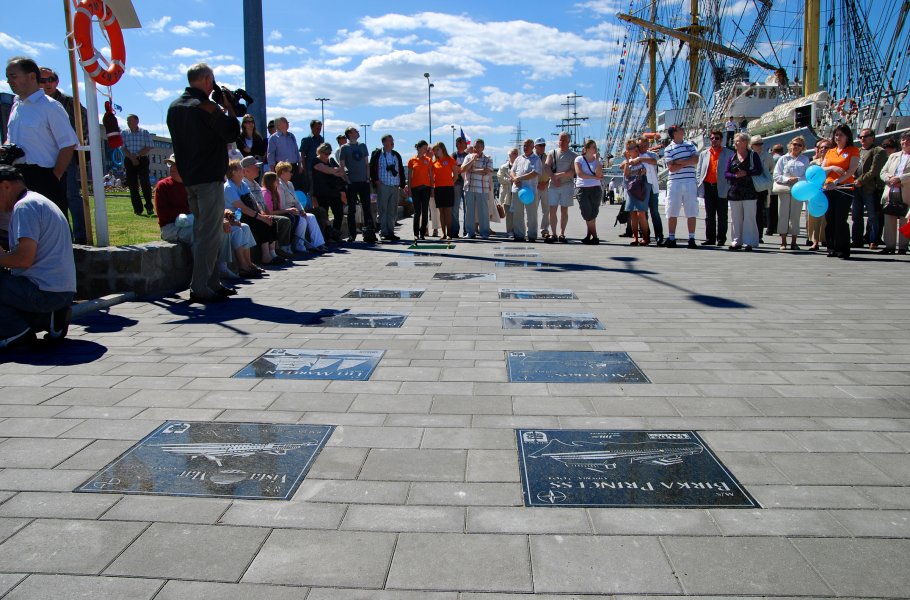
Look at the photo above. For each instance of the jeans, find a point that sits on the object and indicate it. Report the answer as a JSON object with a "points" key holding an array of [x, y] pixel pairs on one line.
{"points": [[387, 196], [865, 198], [657, 226], [74, 202], [23, 306], [359, 191], [715, 216], [138, 176], [206, 202], [454, 229], [476, 211], [420, 195], [837, 232]]}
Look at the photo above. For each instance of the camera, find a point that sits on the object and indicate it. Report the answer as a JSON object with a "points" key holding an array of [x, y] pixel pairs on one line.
{"points": [[10, 153], [222, 94], [393, 169]]}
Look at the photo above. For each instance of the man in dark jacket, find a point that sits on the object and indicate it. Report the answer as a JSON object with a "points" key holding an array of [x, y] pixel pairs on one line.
{"points": [[869, 188], [200, 130], [388, 177]]}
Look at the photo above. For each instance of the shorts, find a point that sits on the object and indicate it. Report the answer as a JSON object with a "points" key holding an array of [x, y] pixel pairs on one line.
{"points": [[445, 196], [682, 194], [589, 201], [562, 195]]}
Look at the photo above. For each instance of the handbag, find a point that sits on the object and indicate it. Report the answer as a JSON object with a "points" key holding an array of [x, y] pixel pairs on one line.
{"points": [[636, 187], [780, 188], [762, 182], [501, 210], [895, 206]]}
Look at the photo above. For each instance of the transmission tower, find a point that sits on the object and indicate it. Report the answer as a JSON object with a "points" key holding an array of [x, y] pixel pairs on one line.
{"points": [[519, 133], [572, 121]]}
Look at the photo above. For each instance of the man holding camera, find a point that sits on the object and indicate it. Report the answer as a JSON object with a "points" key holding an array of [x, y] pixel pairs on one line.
{"points": [[40, 126], [387, 175], [37, 290], [137, 143], [200, 129]]}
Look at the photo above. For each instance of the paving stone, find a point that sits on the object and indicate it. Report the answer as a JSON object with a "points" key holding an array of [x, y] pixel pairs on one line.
{"points": [[490, 439], [27, 453], [9, 580], [406, 420], [97, 455], [334, 594], [66, 546], [48, 587], [9, 526], [375, 437], [875, 523], [860, 567], [37, 428], [168, 509], [751, 441], [467, 405], [492, 465], [338, 463], [421, 519], [600, 565], [896, 466], [888, 497], [42, 480], [812, 496], [648, 521], [742, 565], [780, 522], [155, 398], [49, 505], [323, 558], [473, 563], [527, 520], [465, 494], [89, 397], [98, 412], [296, 514], [29, 411], [179, 551], [204, 590], [352, 492], [845, 441], [846, 469], [114, 429], [385, 464]]}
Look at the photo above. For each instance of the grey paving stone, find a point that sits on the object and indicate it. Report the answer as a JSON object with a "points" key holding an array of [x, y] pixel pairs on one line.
{"points": [[180, 551], [896, 466], [42, 480], [600, 565], [845, 441], [204, 590], [819, 469], [354, 559], [860, 567], [236, 400], [875, 523], [49, 587], [296, 514], [375, 437], [98, 412], [780, 522], [751, 467], [473, 563], [742, 565], [407, 420], [387, 464], [338, 463], [346, 419], [754, 441], [31, 394], [181, 414], [114, 429], [421, 519], [472, 405], [50, 505], [492, 465], [648, 521], [527, 520], [352, 492], [9, 526], [97, 454], [36, 428], [88, 397], [336, 594], [812, 496], [30, 411], [155, 398], [168, 509], [66, 546], [888, 497], [490, 439], [25, 453], [9, 580], [465, 494]]}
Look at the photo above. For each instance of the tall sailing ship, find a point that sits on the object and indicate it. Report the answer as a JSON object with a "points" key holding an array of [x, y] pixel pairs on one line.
{"points": [[783, 67]]}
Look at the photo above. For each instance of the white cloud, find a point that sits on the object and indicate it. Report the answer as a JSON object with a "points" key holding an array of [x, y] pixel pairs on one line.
{"points": [[162, 94], [158, 72], [13, 44], [200, 24], [275, 35], [446, 112], [600, 7], [158, 25], [192, 28], [339, 61], [357, 43], [289, 49], [532, 106], [228, 70], [186, 52], [737, 8]]}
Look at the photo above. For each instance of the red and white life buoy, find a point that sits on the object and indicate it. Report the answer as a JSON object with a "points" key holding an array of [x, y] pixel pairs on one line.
{"points": [[847, 108], [89, 58]]}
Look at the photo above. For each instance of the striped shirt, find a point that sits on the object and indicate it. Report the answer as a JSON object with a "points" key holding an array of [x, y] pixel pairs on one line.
{"points": [[135, 142], [475, 181], [386, 160], [681, 151]]}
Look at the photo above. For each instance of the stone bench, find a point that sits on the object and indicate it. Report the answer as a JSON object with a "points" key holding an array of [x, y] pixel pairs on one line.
{"points": [[143, 269]]}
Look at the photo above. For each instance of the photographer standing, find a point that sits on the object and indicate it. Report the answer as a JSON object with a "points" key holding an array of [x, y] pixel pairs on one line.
{"points": [[200, 128], [387, 175], [137, 143]]}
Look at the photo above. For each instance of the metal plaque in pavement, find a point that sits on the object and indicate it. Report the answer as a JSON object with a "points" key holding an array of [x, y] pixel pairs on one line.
{"points": [[537, 294], [257, 461], [361, 319], [566, 366], [465, 276], [384, 293], [413, 263], [520, 264], [513, 248], [293, 363], [643, 469], [550, 320], [516, 254]]}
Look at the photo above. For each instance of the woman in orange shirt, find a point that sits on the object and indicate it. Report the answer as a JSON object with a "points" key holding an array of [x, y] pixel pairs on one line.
{"points": [[840, 164], [445, 172], [420, 176]]}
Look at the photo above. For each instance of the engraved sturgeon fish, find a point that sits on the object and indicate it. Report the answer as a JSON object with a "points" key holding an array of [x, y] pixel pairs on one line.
{"points": [[216, 452]]}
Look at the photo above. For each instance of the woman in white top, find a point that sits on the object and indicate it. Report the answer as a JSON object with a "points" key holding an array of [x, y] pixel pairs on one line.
{"points": [[307, 235], [588, 190], [790, 169]]}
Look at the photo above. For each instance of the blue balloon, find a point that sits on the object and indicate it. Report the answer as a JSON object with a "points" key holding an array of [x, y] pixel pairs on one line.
{"points": [[804, 190], [818, 205], [526, 195], [411, 199], [302, 198], [816, 175]]}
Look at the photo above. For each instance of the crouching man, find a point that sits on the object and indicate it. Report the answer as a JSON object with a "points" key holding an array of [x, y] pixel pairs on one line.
{"points": [[38, 279]]}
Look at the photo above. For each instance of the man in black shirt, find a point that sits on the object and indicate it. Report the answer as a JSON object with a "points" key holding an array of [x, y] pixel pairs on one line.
{"points": [[200, 130]]}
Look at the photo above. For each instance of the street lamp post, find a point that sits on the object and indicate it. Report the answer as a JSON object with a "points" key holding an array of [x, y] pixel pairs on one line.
{"points": [[429, 105], [364, 126], [453, 137], [322, 102]]}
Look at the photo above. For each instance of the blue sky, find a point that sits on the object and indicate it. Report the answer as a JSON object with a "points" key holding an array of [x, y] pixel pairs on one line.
{"points": [[489, 67]]}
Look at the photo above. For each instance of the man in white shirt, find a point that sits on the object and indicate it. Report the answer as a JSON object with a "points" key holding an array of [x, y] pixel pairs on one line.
{"points": [[476, 170], [40, 126], [730, 127], [681, 158], [523, 175]]}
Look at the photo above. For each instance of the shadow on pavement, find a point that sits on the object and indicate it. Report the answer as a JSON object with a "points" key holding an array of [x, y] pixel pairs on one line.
{"points": [[67, 352]]}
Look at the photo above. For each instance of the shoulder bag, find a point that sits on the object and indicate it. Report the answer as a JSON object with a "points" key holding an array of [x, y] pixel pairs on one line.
{"points": [[762, 182]]}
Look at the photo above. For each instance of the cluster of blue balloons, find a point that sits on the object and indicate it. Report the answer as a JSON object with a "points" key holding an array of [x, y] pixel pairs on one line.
{"points": [[811, 191], [526, 195]]}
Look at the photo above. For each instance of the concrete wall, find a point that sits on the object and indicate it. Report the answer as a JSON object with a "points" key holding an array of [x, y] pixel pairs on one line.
{"points": [[143, 269]]}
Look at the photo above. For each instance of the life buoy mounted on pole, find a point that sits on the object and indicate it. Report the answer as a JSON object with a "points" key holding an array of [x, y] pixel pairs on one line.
{"points": [[89, 57]]}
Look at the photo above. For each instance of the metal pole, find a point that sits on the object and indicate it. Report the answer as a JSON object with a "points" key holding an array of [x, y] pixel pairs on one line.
{"points": [[77, 112], [322, 102], [254, 59], [453, 138], [97, 148], [364, 126], [429, 105]]}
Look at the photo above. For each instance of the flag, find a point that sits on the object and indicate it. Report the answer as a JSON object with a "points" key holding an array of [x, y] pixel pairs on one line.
{"points": [[466, 138]]}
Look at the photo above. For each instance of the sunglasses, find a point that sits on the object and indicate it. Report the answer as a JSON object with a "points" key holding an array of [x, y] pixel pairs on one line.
{"points": [[798, 144], [714, 138], [47, 79]]}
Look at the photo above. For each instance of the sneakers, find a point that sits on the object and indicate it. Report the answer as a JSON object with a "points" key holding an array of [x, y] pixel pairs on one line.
{"points": [[670, 244], [60, 323], [692, 245]]}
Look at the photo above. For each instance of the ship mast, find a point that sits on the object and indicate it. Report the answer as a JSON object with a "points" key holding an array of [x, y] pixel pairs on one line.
{"points": [[651, 42], [811, 23], [694, 30]]}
